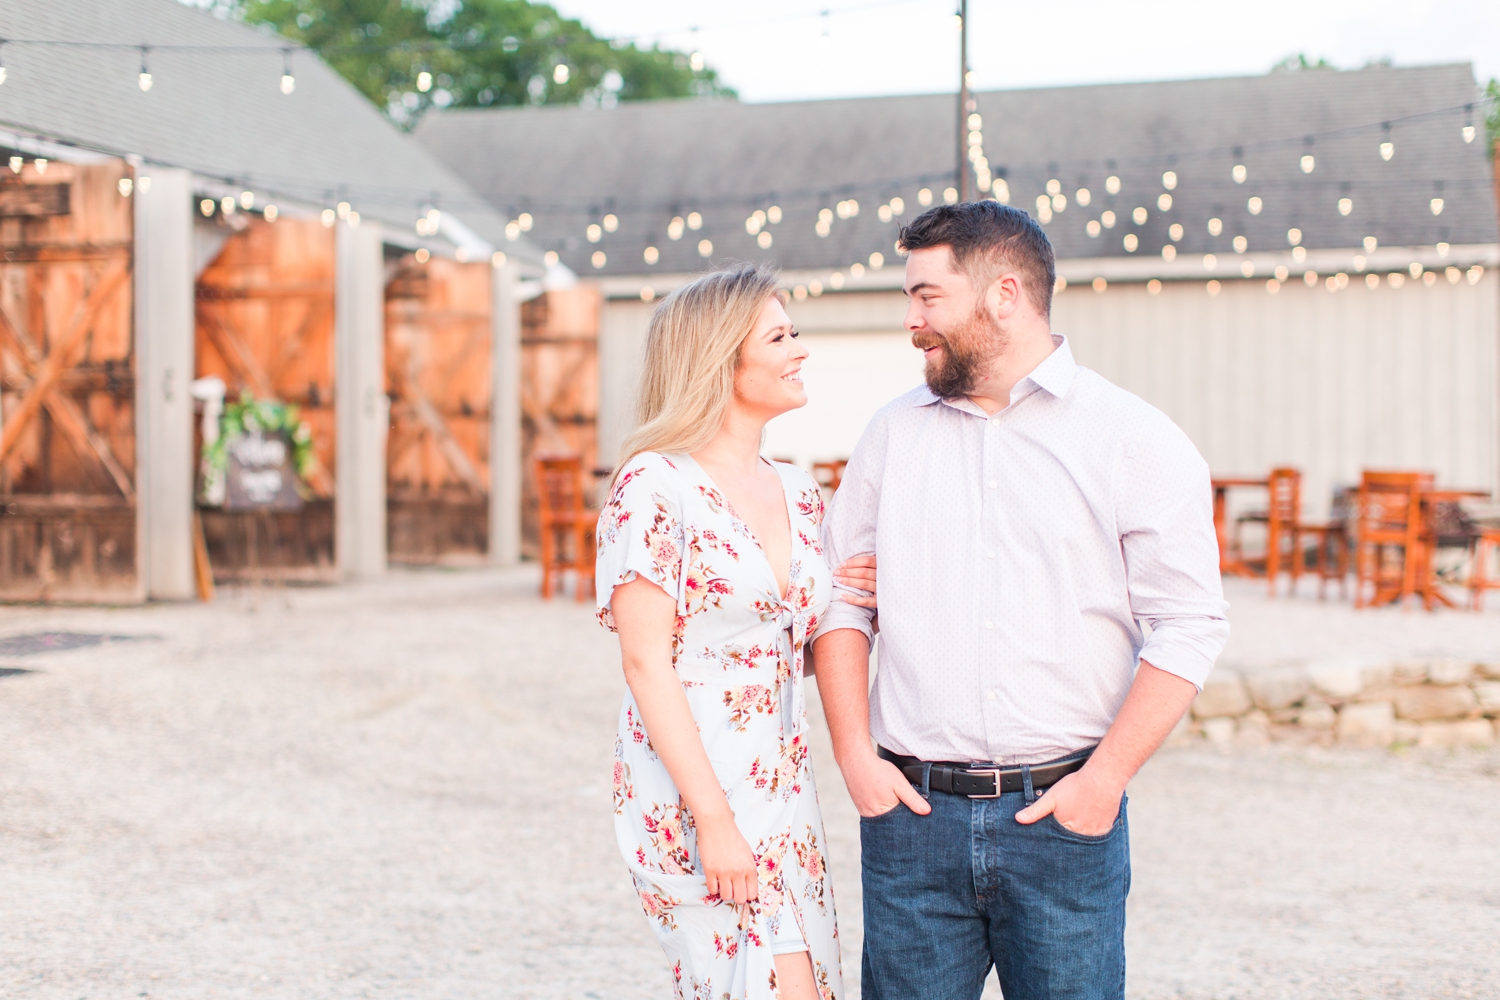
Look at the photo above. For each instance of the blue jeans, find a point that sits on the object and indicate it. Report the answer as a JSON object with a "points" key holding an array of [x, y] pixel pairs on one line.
{"points": [[949, 894]]}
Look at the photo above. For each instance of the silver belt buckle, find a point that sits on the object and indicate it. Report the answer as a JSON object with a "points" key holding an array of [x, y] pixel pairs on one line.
{"points": [[994, 772]]}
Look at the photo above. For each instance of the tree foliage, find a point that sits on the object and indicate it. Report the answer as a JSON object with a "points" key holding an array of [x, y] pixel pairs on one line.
{"points": [[477, 53]]}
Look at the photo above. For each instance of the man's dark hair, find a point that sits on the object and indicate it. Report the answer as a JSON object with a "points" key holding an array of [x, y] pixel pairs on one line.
{"points": [[986, 237]]}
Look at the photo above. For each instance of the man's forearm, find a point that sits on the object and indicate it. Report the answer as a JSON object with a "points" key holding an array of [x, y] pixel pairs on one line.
{"points": [[1155, 704], [843, 675]]}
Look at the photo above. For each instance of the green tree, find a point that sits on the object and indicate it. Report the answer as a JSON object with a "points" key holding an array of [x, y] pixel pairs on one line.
{"points": [[477, 53]]}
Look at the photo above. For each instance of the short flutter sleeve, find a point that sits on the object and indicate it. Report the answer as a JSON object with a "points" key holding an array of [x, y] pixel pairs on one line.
{"points": [[640, 532]]}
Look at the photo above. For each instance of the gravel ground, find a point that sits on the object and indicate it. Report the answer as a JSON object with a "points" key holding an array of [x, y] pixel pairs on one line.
{"points": [[400, 789]]}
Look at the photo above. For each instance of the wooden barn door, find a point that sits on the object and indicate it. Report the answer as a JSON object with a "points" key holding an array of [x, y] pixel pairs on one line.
{"points": [[437, 364], [264, 321], [67, 384], [559, 388]]}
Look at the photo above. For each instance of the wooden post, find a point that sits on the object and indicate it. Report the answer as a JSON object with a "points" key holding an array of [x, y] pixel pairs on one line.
{"points": [[505, 418], [164, 367], [361, 409]]}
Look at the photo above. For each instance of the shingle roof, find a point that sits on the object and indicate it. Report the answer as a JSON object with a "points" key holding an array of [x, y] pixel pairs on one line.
{"points": [[648, 162], [220, 114]]}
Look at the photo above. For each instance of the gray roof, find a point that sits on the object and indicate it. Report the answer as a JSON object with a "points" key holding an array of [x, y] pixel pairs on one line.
{"points": [[646, 162], [220, 114]]}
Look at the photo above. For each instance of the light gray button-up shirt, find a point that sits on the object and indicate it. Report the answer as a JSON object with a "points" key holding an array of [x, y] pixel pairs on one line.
{"points": [[1022, 557]]}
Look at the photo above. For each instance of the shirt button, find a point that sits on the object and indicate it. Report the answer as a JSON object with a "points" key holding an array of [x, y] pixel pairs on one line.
{"points": [[989, 555], [989, 624], [992, 484], [994, 421], [989, 696]]}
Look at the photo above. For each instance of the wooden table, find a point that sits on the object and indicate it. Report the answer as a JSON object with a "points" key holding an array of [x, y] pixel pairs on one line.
{"points": [[1230, 563], [1428, 584]]}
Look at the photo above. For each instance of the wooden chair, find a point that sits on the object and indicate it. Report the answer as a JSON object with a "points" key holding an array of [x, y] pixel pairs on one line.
{"points": [[1390, 523], [565, 523], [1280, 519], [1486, 547], [830, 474], [1331, 552]]}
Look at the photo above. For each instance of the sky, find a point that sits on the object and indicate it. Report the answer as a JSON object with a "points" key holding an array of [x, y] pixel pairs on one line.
{"points": [[780, 50]]}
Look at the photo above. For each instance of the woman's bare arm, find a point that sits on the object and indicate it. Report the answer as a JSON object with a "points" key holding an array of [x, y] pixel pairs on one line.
{"points": [[645, 615]]}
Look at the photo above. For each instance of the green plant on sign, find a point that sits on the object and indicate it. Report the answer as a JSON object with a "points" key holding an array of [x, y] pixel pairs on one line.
{"points": [[246, 416]]}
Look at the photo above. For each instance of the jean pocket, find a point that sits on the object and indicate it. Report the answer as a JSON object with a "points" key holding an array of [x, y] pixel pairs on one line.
{"points": [[880, 816], [1055, 826]]}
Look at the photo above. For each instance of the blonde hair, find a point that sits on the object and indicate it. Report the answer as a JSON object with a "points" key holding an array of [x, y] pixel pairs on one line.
{"points": [[692, 351]]}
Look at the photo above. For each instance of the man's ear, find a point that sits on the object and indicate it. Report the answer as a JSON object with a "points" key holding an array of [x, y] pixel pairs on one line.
{"points": [[1004, 295]]}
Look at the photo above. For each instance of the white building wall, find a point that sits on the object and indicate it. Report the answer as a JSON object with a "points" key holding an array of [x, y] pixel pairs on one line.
{"points": [[1332, 383]]}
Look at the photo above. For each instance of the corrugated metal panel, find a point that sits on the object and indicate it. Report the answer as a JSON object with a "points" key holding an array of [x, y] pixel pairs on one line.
{"points": [[1329, 382]]}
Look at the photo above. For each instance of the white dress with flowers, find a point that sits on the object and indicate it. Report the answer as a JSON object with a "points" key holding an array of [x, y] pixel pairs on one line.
{"points": [[738, 651]]}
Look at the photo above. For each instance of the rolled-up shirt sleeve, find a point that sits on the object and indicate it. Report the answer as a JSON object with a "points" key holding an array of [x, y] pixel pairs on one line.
{"points": [[849, 527], [1164, 509]]}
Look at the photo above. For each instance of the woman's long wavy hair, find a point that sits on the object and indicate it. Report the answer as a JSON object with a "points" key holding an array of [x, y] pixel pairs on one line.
{"points": [[692, 351]]}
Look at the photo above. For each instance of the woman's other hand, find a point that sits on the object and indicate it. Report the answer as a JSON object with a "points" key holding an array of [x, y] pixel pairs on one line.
{"points": [[727, 861], [858, 573]]}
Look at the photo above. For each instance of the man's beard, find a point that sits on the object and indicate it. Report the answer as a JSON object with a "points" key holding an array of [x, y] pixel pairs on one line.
{"points": [[964, 358]]}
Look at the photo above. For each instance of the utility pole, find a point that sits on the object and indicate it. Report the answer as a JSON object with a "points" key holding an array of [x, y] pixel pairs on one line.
{"points": [[962, 171]]}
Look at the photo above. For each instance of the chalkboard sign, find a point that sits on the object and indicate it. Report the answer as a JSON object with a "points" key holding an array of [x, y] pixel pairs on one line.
{"points": [[261, 474]]}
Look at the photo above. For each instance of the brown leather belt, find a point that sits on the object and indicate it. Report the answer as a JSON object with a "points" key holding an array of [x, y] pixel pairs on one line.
{"points": [[979, 782]]}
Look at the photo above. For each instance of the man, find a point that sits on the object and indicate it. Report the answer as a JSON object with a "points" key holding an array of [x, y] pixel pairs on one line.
{"points": [[1029, 519]]}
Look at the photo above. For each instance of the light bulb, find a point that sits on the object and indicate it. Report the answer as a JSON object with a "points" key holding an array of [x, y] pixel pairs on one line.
{"points": [[1468, 131], [1169, 180], [1308, 163], [145, 80], [1239, 173], [270, 213], [695, 61], [288, 83], [424, 81], [1112, 184], [1387, 150], [560, 73]]}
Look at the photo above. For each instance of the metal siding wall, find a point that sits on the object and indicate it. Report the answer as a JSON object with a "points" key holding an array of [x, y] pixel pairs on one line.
{"points": [[1330, 383]]}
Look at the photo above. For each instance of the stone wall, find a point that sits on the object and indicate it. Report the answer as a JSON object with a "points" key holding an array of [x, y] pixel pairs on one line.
{"points": [[1356, 702]]}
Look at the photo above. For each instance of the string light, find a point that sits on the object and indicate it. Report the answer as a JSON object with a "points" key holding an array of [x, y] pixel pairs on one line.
{"points": [[1215, 226], [1112, 184], [598, 259], [1282, 272], [1083, 197], [1213, 286], [523, 220], [836, 280], [1153, 287], [1164, 202], [422, 255], [288, 82], [1175, 231], [1387, 150], [1254, 205], [815, 288], [611, 223], [125, 186], [497, 259], [16, 163], [651, 255], [924, 197], [269, 214], [1108, 218], [247, 200], [1346, 205], [594, 233], [329, 217], [1436, 205], [1169, 180], [950, 195], [773, 214], [1468, 130], [1210, 262], [694, 221], [145, 78], [1100, 284], [1131, 242], [1239, 173], [550, 258], [560, 73], [705, 248], [1371, 243], [424, 80], [1139, 215], [206, 206], [1308, 163], [647, 293], [763, 240], [674, 228], [1241, 244]]}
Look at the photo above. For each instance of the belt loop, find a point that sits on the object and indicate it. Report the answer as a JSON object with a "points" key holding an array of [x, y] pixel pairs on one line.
{"points": [[1026, 784], [926, 788]]}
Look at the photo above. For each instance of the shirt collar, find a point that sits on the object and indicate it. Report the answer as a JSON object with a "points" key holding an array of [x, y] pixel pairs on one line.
{"points": [[1055, 374]]}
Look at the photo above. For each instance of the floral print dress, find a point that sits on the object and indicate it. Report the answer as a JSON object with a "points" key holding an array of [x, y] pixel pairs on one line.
{"points": [[738, 649]]}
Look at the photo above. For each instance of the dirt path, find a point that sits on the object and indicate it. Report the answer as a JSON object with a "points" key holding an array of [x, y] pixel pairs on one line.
{"points": [[402, 790]]}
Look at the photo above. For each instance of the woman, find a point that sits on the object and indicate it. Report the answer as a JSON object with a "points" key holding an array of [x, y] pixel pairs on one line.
{"points": [[709, 568]]}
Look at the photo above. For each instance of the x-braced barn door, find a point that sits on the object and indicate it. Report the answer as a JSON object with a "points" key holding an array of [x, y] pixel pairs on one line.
{"points": [[265, 326], [67, 383], [438, 378]]}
